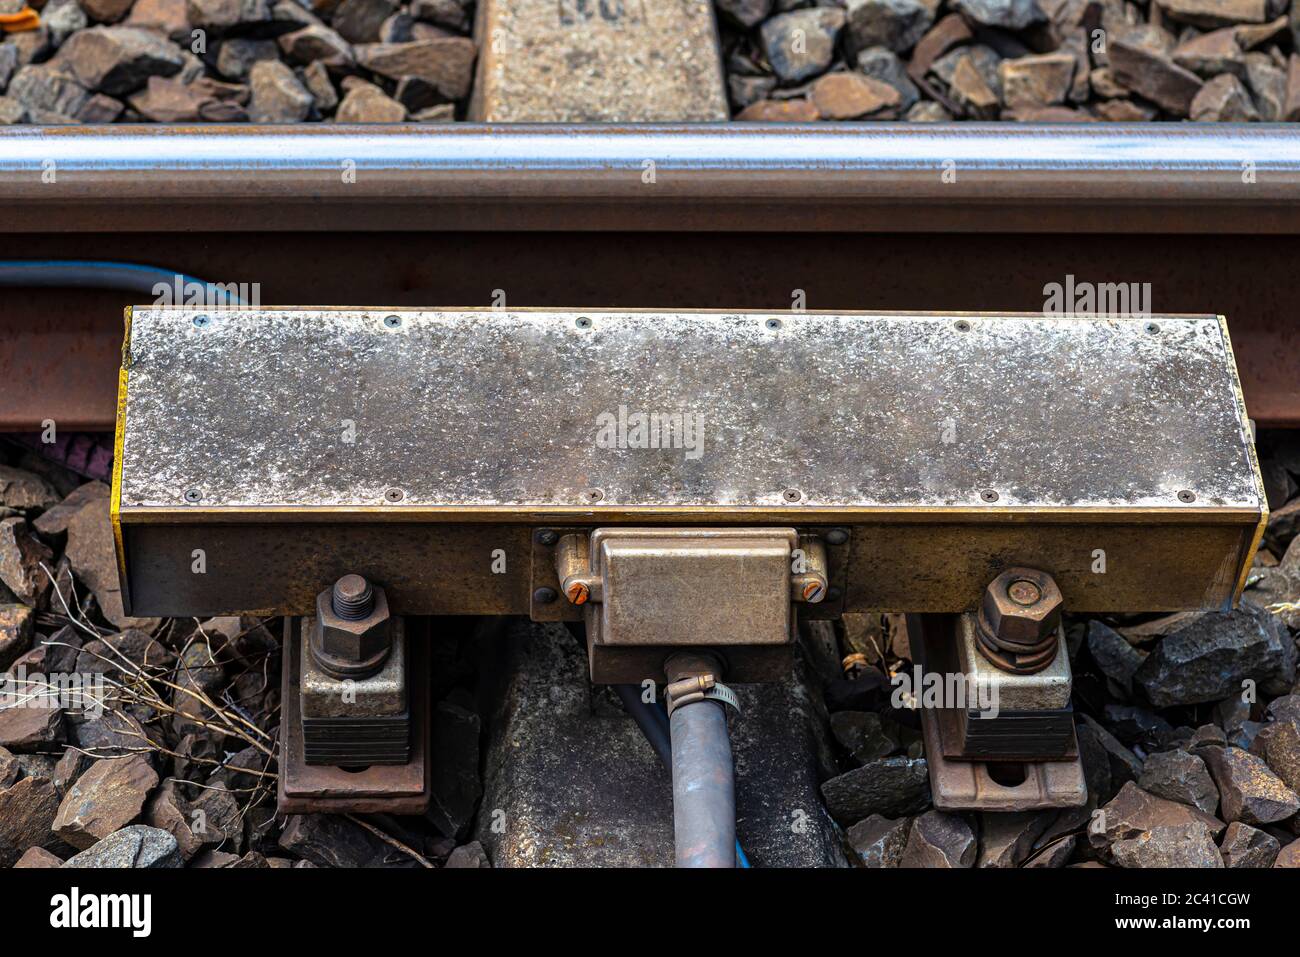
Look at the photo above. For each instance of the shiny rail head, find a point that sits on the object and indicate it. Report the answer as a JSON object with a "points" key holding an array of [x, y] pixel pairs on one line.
{"points": [[708, 176], [453, 429]]}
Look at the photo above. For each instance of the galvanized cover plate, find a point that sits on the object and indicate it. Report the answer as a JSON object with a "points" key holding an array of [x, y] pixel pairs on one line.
{"points": [[535, 409]]}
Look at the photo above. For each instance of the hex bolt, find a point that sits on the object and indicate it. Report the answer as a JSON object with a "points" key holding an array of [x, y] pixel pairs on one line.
{"points": [[352, 598], [1024, 592], [352, 636], [1019, 620]]}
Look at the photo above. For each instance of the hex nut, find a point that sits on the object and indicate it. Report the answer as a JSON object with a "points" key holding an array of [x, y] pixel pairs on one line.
{"points": [[1022, 624], [351, 648]]}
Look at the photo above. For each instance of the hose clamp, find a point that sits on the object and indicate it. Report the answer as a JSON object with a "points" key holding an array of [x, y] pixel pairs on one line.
{"points": [[699, 688]]}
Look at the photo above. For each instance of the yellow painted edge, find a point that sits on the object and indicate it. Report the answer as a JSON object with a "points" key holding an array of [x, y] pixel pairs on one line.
{"points": [[1248, 559], [119, 440]]}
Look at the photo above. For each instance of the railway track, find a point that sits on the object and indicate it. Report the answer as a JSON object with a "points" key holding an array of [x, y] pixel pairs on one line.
{"points": [[879, 216], [619, 256]]}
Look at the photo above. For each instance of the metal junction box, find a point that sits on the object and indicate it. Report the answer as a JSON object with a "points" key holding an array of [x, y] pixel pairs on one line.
{"points": [[438, 452]]}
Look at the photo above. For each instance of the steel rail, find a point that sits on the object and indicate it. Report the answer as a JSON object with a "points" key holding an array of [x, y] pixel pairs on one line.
{"points": [[858, 177]]}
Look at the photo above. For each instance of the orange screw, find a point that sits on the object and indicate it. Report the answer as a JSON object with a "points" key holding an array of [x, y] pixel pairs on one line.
{"points": [[24, 19], [812, 591]]}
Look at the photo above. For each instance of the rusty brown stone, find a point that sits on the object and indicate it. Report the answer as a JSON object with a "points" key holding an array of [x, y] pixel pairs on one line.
{"points": [[30, 729], [446, 63], [1278, 743], [1291, 113], [942, 37], [1249, 791], [318, 43], [1105, 85], [105, 799], [970, 88], [27, 811], [1042, 80], [1246, 846], [367, 103], [1139, 829], [106, 11], [1155, 77], [1250, 36], [166, 16], [1223, 100], [35, 857], [940, 840], [94, 559], [16, 621], [851, 96], [1209, 14], [1048, 114], [1211, 54], [21, 556], [167, 100], [118, 60], [780, 111]]}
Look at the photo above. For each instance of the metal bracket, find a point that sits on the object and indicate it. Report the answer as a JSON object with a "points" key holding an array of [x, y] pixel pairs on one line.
{"points": [[392, 789], [1049, 777]]}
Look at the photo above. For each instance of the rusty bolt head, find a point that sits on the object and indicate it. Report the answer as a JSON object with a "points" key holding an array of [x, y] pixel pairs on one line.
{"points": [[353, 598], [577, 592], [1024, 592], [1022, 605], [812, 591], [361, 643]]}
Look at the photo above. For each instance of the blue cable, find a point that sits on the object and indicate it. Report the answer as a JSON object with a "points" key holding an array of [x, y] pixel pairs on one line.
{"points": [[102, 274], [661, 712]]}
